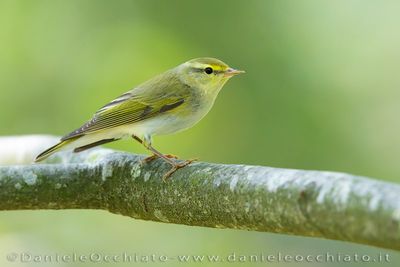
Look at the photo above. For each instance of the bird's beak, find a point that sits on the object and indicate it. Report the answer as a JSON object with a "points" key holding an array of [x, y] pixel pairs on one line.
{"points": [[232, 72]]}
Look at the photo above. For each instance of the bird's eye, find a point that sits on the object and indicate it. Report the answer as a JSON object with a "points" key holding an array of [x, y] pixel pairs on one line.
{"points": [[208, 70]]}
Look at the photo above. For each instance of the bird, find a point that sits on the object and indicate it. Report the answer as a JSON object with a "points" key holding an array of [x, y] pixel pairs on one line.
{"points": [[168, 103]]}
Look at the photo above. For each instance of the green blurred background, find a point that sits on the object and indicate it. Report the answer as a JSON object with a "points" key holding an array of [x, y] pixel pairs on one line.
{"points": [[321, 92]]}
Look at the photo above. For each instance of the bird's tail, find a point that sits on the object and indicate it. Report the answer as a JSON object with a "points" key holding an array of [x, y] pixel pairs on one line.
{"points": [[48, 152]]}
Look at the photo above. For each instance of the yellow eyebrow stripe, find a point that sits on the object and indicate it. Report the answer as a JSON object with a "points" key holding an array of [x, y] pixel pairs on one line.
{"points": [[215, 67]]}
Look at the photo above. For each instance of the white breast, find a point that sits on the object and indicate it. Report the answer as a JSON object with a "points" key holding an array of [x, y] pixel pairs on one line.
{"points": [[165, 124]]}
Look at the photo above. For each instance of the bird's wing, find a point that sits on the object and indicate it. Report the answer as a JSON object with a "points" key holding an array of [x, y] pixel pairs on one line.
{"points": [[131, 107]]}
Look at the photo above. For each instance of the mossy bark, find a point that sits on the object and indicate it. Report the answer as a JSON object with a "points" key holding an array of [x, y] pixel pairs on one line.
{"points": [[308, 203]]}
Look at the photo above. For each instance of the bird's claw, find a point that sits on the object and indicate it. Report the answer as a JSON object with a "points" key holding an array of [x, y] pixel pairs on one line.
{"points": [[176, 167], [154, 156]]}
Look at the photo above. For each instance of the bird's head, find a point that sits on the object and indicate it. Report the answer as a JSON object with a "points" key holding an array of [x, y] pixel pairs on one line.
{"points": [[208, 74]]}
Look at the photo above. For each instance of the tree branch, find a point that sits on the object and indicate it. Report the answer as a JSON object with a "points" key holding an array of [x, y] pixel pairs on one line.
{"points": [[308, 203]]}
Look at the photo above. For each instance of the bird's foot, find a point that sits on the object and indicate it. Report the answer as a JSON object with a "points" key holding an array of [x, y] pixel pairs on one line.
{"points": [[154, 156], [176, 167]]}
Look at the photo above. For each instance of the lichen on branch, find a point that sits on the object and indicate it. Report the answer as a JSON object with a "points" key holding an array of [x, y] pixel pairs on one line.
{"points": [[309, 203]]}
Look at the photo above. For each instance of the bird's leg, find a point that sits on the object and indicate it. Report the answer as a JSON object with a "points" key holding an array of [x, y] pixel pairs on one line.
{"points": [[158, 154], [137, 139], [168, 158], [176, 167], [154, 156]]}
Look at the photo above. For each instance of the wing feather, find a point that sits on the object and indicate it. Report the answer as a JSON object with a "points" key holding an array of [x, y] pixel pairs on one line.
{"points": [[131, 107]]}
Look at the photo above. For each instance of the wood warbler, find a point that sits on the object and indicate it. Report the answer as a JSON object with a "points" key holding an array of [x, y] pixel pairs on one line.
{"points": [[168, 103]]}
